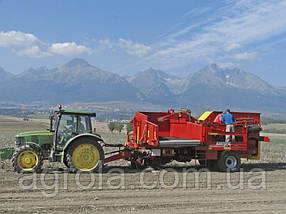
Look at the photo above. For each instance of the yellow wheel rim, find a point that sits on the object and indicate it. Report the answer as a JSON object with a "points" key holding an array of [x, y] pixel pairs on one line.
{"points": [[85, 157], [27, 160]]}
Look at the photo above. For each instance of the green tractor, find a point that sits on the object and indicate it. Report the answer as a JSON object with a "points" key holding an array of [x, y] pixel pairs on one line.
{"points": [[69, 140]]}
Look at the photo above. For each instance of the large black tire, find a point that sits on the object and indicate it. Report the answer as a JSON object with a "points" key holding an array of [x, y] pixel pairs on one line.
{"points": [[94, 163], [27, 159], [65, 161], [135, 165], [229, 161]]}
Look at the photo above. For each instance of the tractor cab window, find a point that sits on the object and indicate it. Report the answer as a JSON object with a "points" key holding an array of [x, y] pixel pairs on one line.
{"points": [[83, 125], [66, 128]]}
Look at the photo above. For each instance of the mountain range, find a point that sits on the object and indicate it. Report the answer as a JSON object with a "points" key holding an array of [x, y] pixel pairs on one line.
{"points": [[74, 81], [78, 81]]}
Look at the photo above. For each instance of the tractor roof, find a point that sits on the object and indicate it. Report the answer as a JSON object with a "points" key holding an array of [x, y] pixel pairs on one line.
{"points": [[92, 114]]}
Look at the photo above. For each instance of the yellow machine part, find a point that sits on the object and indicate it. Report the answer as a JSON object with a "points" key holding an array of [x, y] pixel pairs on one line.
{"points": [[86, 157], [256, 157], [27, 160], [205, 115]]}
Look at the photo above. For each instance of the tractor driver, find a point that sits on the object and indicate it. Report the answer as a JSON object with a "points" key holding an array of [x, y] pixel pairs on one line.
{"points": [[81, 126], [228, 119]]}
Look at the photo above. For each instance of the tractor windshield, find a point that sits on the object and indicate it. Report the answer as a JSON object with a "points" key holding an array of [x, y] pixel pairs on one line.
{"points": [[71, 125]]}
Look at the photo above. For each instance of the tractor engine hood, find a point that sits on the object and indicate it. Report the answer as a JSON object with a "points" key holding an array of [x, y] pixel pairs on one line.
{"points": [[35, 133], [37, 137]]}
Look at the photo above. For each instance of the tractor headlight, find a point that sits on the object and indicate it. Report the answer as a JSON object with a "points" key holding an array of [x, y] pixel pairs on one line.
{"points": [[19, 141]]}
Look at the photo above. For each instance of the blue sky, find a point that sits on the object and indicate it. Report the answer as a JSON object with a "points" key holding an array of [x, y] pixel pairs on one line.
{"points": [[127, 36]]}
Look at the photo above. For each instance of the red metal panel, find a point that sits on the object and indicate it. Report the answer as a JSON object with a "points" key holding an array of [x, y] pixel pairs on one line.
{"points": [[211, 154], [186, 130]]}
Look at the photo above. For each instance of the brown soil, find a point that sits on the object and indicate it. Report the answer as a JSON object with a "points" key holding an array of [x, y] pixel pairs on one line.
{"points": [[137, 198]]}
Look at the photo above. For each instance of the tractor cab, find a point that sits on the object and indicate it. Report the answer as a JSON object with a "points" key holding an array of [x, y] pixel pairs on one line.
{"points": [[68, 124]]}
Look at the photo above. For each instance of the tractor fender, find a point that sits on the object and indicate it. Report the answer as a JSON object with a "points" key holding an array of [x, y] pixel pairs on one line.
{"points": [[85, 135]]}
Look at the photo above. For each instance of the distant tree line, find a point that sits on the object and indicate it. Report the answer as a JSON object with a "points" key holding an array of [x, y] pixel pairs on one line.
{"points": [[16, 112], [116, 126], [267, 120]]}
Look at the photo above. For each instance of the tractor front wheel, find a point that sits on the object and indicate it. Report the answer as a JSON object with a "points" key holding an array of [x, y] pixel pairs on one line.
{"points": [[27, 159], [85, 155]]}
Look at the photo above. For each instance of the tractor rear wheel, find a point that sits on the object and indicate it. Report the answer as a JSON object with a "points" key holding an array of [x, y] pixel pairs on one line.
{"points": [[229, 161], [27, 159], [85, 155]]}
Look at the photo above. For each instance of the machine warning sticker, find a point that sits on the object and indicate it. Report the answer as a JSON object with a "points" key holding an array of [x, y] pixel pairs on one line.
{"points": [[222, 143], [225, 144]]}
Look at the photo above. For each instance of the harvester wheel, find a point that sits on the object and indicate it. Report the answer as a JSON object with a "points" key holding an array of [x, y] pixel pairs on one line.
{"points": [[138, 164], [229, 161], [85, 155], [27, 159]]}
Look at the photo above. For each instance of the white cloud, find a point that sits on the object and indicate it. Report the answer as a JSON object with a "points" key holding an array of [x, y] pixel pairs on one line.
{"points": [[246, 56], [186, 29], [34, 47], [33, 51], [105, 43], [197, 11], [134, 48], [232, 47], [17, 38], [239, 25], [69, 49]]}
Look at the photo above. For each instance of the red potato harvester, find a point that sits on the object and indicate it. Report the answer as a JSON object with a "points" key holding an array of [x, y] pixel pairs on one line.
{"points": [[160, 137]]}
